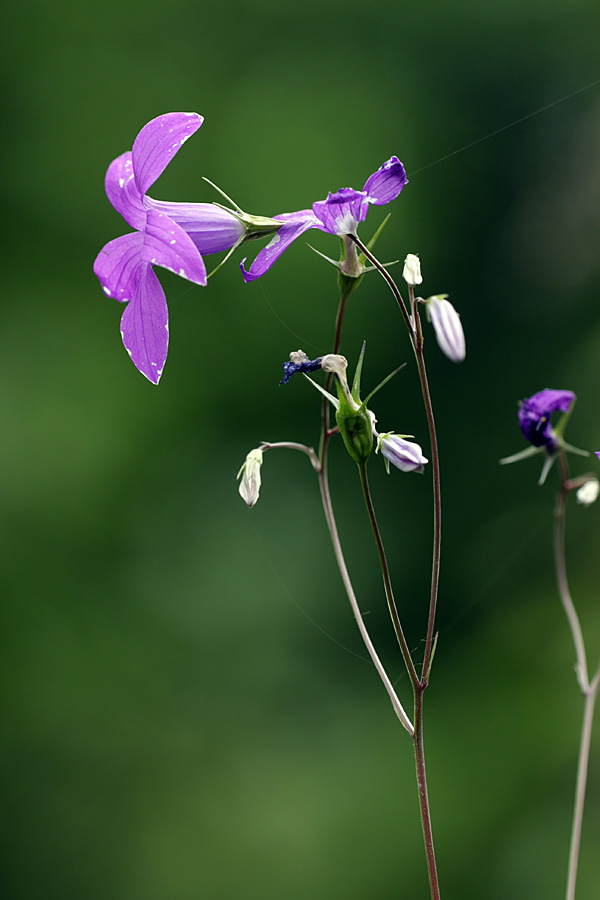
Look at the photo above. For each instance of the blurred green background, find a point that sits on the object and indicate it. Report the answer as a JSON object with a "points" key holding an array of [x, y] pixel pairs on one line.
{"points": [[182, 715]]}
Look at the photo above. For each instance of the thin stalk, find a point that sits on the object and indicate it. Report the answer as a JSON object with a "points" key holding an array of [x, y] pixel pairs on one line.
{"points": [[326, 435], [413, 324], [434, 886], [580, 790], [387, 581], [418, 686], [337, 549], [588, 689]]}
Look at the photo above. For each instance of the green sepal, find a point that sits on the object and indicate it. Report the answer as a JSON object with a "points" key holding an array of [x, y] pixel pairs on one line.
{"points": [[384, 382], [357, 374]]}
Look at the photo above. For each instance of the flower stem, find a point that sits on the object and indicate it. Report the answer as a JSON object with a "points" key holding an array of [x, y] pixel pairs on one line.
{"points": [[413, 325], [418, 686], [589, 688], [434, 886], [387, 581], [326, 435]]}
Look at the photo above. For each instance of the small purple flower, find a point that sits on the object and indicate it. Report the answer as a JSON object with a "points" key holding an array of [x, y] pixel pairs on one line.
{"points": [[299, 362], [171, 235], [339, 214], [535, 413], [598, 453]]}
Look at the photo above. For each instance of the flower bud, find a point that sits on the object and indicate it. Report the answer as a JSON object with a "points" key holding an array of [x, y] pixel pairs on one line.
{"points": [[355, 428], [588, 492], [412, 270], [250, 473], [447, 326], [405, 455]]}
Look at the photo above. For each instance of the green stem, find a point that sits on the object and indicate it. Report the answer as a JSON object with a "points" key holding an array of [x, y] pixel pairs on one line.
{"points": [[588, 689]]}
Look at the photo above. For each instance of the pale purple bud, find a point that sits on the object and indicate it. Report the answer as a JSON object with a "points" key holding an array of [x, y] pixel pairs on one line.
{"points": [[447, 326], [250, 474], [405, 455], [412, 270]]}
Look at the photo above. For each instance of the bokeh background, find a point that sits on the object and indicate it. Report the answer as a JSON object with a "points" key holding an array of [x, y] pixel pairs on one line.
{"points": [[187, 708]]}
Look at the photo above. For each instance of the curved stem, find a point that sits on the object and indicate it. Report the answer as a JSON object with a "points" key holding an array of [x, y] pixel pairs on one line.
{"points": [[437, 515], [588, 689], [387, 582], [337, 549], [413, 324], [561, 573], [326, 435]]}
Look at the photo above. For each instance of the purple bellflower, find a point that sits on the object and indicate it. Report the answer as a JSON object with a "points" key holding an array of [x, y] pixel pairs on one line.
{"points": [[171, 235], [340, 214], [535, 413]]}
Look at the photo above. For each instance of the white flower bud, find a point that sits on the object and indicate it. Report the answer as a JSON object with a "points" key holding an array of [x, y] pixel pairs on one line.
{"points": [[588, 492], [250, 473], [447, 326], [412, 270]]}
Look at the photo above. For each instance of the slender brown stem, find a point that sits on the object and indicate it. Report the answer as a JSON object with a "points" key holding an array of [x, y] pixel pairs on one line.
{"points": [[434, 886], [437, 515]]}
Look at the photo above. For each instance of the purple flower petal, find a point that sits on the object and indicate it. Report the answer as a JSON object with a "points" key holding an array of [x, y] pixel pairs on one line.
{"points": [[385, 184], [122, 192], [550, 400], [158, 142], [116, 266], [342, 211], [296, 224], [145, 324], [211, 228], [166, 244]]}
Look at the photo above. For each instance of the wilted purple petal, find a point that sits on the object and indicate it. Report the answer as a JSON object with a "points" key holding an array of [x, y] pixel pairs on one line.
{"points": [[116, 266], [211, 228], [158, 142], [299, 362], [122, 192], [342, 211], [166, 244], [535, 413], [385, 184], [145, 324], [295, 225], [550, 400]]}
